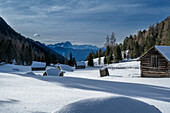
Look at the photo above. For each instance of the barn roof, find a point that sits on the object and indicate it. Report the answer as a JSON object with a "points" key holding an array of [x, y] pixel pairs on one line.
{"points": [[165, 51], [38, 64]]}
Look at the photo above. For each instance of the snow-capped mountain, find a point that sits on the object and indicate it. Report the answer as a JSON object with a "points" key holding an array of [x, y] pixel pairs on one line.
{"points": [[80, 52], [68, 44]]}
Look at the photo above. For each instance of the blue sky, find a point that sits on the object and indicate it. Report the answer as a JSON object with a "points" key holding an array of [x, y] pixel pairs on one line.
{"points": [[82, 21]]}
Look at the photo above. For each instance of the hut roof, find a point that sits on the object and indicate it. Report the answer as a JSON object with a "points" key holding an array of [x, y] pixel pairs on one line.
{"points": [[163, 50], [38, 64], [81, 64]]}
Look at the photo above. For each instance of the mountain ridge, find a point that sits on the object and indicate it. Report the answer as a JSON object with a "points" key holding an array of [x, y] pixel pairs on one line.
{"points": [[68, 44], [14, 46], [80, 52]]}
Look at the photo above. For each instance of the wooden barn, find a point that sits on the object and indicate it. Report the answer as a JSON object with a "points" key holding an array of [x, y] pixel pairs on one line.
{"points": [[156, 62], [38, 66], [80, 65]]}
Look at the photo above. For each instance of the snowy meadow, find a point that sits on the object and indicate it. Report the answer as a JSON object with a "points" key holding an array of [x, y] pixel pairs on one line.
{"points": [[124, 90]]}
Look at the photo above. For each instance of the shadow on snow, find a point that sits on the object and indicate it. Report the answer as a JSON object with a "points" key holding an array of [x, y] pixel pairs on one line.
{"points": [[112, 87]]}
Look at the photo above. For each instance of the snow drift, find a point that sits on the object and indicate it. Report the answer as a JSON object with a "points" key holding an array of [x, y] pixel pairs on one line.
{"points": [[66, 67], [109, 105], [53, 72]]}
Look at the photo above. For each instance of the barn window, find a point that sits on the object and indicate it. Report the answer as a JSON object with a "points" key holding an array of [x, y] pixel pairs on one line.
{"points": [[154, 61]]}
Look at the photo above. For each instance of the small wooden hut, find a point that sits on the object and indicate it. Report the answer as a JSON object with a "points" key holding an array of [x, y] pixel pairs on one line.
{"points": [[38, 66], [156, 62], [80, 65]]}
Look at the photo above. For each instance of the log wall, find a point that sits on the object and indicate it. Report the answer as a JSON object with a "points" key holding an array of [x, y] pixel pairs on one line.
{"points": [[163, 69]]}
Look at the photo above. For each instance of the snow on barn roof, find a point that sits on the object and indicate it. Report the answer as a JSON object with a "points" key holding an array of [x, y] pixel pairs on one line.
{"points": [[38, 64], [165, 51], [81, 63]]}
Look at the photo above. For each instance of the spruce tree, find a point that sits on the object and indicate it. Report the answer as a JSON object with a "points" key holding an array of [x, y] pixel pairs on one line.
{"points": [[66, 59], [168, 39], [99, 56], [110, 58], [70, 62], [117, 54], [90, 60], [9, 52], [105, 60], [107, 51], [136, 50], [74, 61], [30, 55], [22, 54]]}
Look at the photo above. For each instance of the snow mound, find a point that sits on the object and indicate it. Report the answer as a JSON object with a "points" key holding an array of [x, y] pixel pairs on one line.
{"points": [[109, 105], [53, 72], [65, 67]]}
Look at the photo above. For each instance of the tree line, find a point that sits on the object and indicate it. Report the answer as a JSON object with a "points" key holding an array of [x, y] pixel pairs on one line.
{"points": [[134, 45], [111, 54], [71, 61]]}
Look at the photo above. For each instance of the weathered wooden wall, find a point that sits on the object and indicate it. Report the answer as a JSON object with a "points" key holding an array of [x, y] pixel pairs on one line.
{"points": [[148, 71], [169, 68]]}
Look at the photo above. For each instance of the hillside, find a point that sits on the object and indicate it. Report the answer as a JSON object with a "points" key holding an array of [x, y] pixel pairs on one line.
{"points": [[158, 34], [14, 46]]}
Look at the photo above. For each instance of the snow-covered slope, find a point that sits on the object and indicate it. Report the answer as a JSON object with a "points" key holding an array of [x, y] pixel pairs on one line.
{"points": [[24, 91]]}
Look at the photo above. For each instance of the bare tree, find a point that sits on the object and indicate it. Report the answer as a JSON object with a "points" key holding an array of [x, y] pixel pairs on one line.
{"points": [[107, 41], [113, 40]]}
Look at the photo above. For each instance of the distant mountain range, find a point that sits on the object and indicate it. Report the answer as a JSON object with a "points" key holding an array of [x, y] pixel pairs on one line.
{"points": [[14, 46], [69, 45], [80, 52]]}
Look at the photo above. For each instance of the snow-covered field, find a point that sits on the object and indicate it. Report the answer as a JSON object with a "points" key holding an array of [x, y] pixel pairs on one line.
{"points": [[23, 91]]}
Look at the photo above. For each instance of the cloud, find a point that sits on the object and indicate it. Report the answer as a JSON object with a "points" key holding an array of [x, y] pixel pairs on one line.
{"points": [[131, 5], [81, 20]]}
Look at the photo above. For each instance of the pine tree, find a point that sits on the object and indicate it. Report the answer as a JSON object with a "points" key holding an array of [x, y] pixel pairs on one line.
{"points": [[71, 56], [66, 59], [117, 54], [30, 55], [90, 60], [9, 52], [22, 55], [53, 59], [136, 50], [107, 51], [105, 60], [93, 54], [99, 56], [74, 61], [110, 58], [168, 39], [70, 62]]}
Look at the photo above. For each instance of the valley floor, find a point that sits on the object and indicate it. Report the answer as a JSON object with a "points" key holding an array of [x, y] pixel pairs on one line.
{"points": [[21, 91]]}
